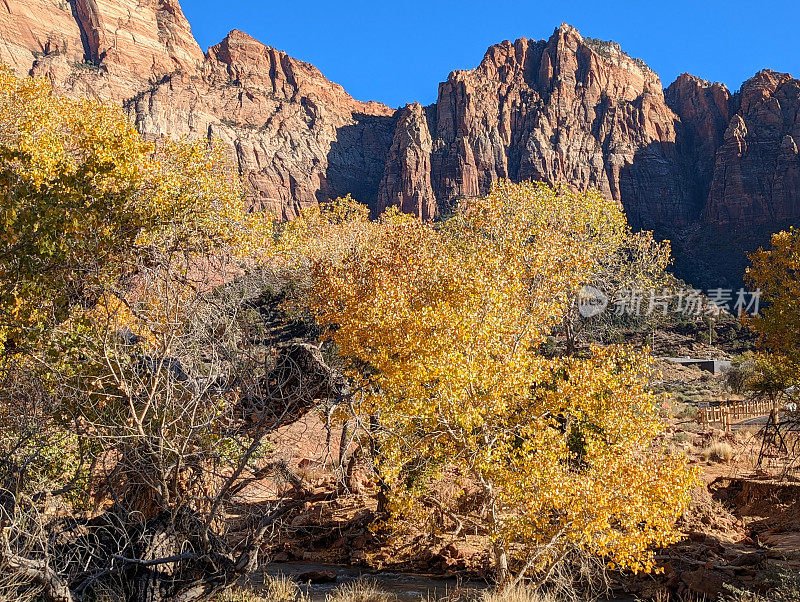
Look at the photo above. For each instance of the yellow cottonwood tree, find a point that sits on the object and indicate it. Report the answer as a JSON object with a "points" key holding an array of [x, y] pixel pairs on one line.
{"points": [[122, 360], [774, 272], [83, 197], [562, 454]]}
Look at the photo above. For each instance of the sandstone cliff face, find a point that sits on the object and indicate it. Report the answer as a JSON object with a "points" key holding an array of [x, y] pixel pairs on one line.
{"points": [[34, 28], [757, 171], [406, 181], [693, 158], [108, 49], [146, 40], [704, 111], [297, 138], [562, 110]]}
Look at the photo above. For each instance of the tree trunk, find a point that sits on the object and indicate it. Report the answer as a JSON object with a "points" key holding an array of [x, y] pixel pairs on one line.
{"points": [[375, 451], [154, 581], [502, 574], [569, 335], [343, 441], [39, 571]]}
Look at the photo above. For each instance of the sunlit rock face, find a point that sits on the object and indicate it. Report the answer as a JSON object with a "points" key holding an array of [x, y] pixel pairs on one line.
{"points": [[567, 109], [756, 177], [691, 161], [297, 137]]}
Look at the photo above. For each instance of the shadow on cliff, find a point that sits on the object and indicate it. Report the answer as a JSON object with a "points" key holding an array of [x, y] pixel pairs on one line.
{"points": [[664, 190], [659, 190], [716, 255], [357, 158]]}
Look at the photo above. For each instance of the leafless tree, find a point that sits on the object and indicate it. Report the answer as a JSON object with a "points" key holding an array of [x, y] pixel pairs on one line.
{"points": [[132, 449]]}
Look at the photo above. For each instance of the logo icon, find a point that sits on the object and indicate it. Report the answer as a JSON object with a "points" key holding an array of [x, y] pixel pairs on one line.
{"points": [[591, 301]]}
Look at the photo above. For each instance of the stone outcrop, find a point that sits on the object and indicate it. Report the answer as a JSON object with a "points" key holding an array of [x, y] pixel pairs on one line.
{"points": [[688, 159], [35, 28], [406, 179], [297, 138], [757, 171], [562, 110], [146, 40], [704, 110], [107, 49]]}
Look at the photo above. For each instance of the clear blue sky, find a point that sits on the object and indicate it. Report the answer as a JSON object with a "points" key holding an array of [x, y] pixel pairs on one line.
{"points": [[398, 52]]}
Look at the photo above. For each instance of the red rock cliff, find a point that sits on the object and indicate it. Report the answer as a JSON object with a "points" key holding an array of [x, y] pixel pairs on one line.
{"points": [[297, 137], [562, 110], [567, 109], [756, 178]]}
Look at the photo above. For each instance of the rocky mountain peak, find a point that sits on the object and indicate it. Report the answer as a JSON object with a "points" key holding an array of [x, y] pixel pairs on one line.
{"points": [[566, 58], [704, 110], [757, 170], [571, 109], [761, 87], [242, 60], [691, 90], [563, 109]]}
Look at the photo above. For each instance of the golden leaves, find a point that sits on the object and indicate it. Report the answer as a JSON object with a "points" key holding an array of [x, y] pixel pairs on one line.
{"points": [[775, 272], [448, 317], [85, 199]]}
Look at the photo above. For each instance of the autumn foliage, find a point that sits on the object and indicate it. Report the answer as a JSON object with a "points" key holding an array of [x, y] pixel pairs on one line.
{"points": [[131, 344], [123, 359], [83, 199], [776, 273], [445, 321]]}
